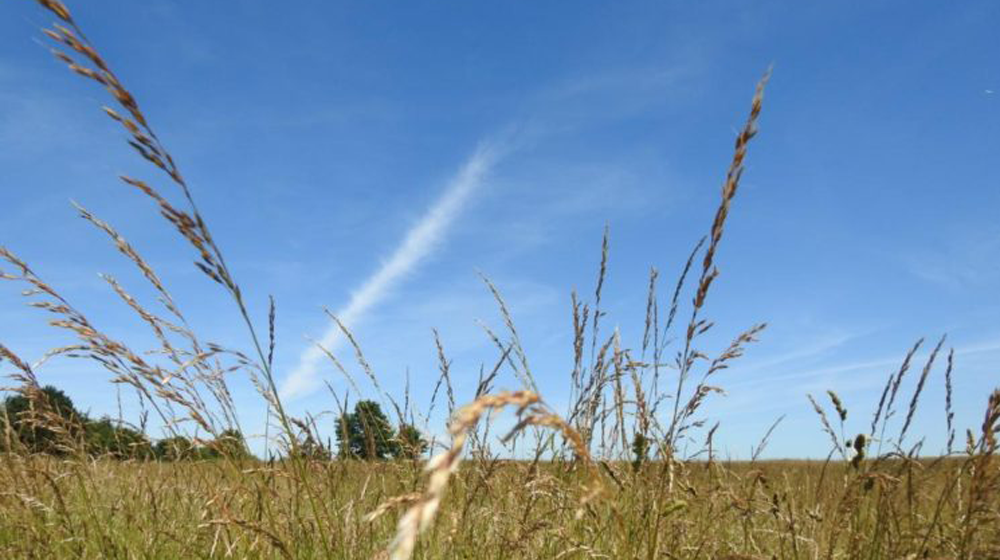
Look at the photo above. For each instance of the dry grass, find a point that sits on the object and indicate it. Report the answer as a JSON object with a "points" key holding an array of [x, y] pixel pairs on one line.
{"points": [[523, 509], [577, 490]]}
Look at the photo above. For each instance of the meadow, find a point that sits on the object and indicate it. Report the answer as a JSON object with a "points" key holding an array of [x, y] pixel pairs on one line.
{"points": [[629, 471]]}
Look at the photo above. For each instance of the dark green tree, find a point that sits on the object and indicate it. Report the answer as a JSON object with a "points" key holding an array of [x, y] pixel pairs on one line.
{"points": [[175, 448], [39, 423], [105, 437], [231, 444], [640, 449], [228, 444], [410, 443], [366, 433]]}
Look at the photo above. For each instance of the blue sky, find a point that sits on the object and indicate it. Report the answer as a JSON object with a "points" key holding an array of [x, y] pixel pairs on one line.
{"points": [[320, 137]]}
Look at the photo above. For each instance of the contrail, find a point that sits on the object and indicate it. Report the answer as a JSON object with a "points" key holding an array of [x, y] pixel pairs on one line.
{"points": [[419, 241]]}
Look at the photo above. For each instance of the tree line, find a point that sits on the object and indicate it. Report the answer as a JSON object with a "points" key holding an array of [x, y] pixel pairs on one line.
{"points": [[47, 422]]}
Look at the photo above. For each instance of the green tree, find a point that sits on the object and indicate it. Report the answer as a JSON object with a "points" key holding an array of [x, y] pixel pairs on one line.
{"points": [[175, 448], [366, 433], [31, 420], [106, 437], [230, 443], [410, 443]]}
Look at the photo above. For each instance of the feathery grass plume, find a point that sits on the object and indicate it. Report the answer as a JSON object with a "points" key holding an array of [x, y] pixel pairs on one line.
{"points": [[643, 416], [125, 364], [702, 390], [827, 427], [984, 483], [991, 424], [81, 57], [949, 414], [581, 314], [841, 413], [729, 189], [891, 387], [755, 454], [444, 366], [192, 370], [837, 405], [708, 271], [919, 389], [618, 395], [652, 313], [881, 402], [339, 365], [359, 356], [586, 411], [52, 428], [709, 439], [675, 299], [601, 275], [525, 375], [660, 342], [485, 384], [441, 467], [396, 501], [270, 331], [26, 375], [126, 249]]}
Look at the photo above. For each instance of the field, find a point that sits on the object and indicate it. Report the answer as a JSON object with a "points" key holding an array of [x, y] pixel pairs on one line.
{"points": [[497, 509], [608, 479]]}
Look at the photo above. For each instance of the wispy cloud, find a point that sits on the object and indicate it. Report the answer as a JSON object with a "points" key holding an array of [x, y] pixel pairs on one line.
{"points": [[804, 353], [418, 243], [848, 376], [968, 259]]}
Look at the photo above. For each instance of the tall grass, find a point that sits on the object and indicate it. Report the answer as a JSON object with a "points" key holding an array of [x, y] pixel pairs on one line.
{"points": [[609, 478]]}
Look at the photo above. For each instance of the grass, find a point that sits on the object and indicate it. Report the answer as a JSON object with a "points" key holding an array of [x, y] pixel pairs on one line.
{"points": [[605, 480], [510, 509]]}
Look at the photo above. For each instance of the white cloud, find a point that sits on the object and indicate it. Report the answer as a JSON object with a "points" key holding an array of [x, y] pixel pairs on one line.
{"points": [[418, 243]]}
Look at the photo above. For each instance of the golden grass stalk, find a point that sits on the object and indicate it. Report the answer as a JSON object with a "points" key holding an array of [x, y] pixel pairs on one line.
{"points": [[81, 57], [442, 466], [708, 271]]}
